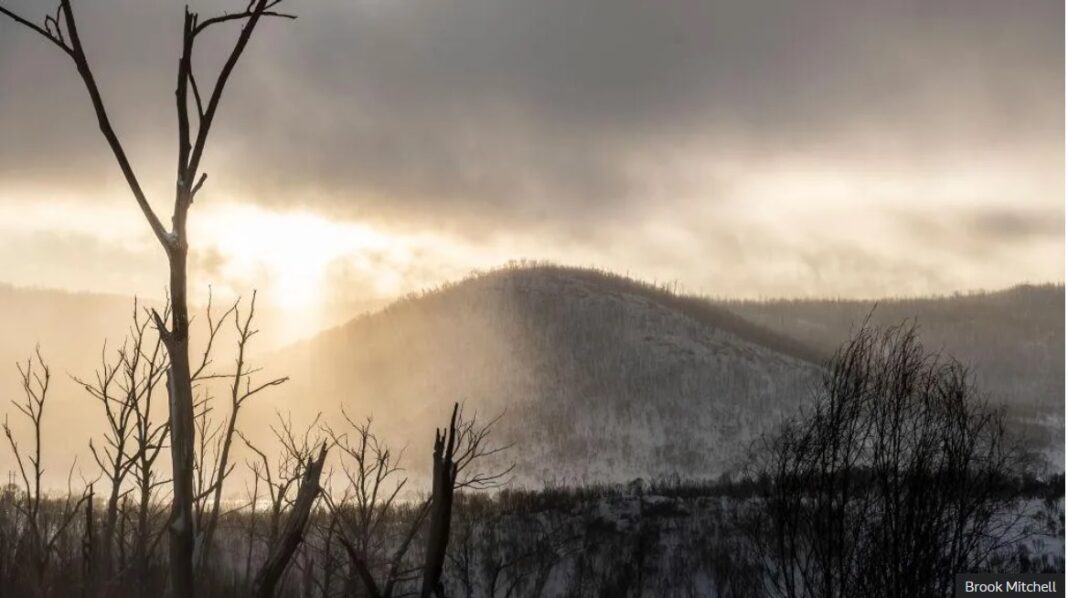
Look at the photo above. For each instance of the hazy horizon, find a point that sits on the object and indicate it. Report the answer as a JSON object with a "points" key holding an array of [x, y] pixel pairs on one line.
{"points": [[677, 285]]}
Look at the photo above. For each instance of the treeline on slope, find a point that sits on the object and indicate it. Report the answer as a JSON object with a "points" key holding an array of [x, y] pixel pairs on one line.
{"points": [[896, 476], [665, 294], [1013, 339], [629, 386]]}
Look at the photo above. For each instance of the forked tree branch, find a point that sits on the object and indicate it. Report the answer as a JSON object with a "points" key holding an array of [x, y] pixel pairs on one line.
{"points": [[191, 150], [56, 37], [252, 14]]}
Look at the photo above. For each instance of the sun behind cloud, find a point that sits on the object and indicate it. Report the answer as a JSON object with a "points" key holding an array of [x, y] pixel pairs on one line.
{"points": [[291, 251]]}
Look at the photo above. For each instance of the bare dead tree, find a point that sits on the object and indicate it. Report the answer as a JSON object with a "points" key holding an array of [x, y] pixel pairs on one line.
{"points": [[241, 389], [35, 380], [263, 586], [284, 477], [89, 543], [509, 559], [113, 458], [893, 479], [367, 503], [300, 465], [362, 512], [250, 532], [124, 386], [474, 453], [149, 438], [61, 30], [40, 537], [456, 449], [444, 488], [208, 433]]}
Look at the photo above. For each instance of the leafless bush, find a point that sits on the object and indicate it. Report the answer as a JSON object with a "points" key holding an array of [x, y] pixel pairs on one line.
{"points": [[38, 528], [892, 481], [124, 386]]}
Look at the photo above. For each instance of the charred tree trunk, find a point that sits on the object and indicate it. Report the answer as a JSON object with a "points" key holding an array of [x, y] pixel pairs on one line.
{"points": [[293, 532], [180, 393], [141, 544], [120, 540], [107, 536], [441, 509], [88, 566]]}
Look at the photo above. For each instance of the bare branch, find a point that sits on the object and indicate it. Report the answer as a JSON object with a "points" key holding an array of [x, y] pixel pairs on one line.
{"points": [[237, 17], [56, 36]]}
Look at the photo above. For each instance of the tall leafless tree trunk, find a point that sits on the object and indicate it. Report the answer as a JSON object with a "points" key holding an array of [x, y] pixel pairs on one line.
{"points": [[61, 29], [441, 508], [88, 547]]}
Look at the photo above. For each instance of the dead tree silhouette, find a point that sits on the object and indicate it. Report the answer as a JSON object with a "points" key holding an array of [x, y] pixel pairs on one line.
{"points": [[361, 513], [891, 481], [263, 586], [456, 448], [61, 29], [444, 485], [41, 530], [383, 565], [301, 460]]}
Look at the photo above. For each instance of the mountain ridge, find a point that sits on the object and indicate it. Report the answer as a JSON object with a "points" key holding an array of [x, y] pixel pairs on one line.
{"points": [[683, 383], [601, 377]]}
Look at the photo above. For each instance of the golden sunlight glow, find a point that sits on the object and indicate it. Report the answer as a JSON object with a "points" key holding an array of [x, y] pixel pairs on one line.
{"points": [[809, 227], [293, 251]]}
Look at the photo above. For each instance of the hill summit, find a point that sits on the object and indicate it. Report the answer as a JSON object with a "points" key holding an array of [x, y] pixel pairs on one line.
{"points": [[599, 377]]}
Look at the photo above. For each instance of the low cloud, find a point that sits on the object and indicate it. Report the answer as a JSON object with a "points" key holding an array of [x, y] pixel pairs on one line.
{"points": [[582, 122]]}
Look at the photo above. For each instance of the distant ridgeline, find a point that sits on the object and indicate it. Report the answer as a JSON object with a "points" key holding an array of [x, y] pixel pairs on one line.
{"points": [[1012, 341], [604, 378]]}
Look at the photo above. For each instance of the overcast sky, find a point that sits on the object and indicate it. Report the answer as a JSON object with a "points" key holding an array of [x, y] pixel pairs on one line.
{"points": [[373, 147]]}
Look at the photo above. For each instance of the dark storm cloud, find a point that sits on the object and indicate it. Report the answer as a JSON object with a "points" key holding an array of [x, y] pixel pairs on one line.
{"points": [[545, 110], [1007, 225]]}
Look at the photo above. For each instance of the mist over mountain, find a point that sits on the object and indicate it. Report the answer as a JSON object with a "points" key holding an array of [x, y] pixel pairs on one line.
{"points": [[604, 378], [597, 377], [75, 329]]}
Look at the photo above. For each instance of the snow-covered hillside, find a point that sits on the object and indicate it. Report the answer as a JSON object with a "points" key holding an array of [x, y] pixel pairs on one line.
{"points": [[599, 379]]}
